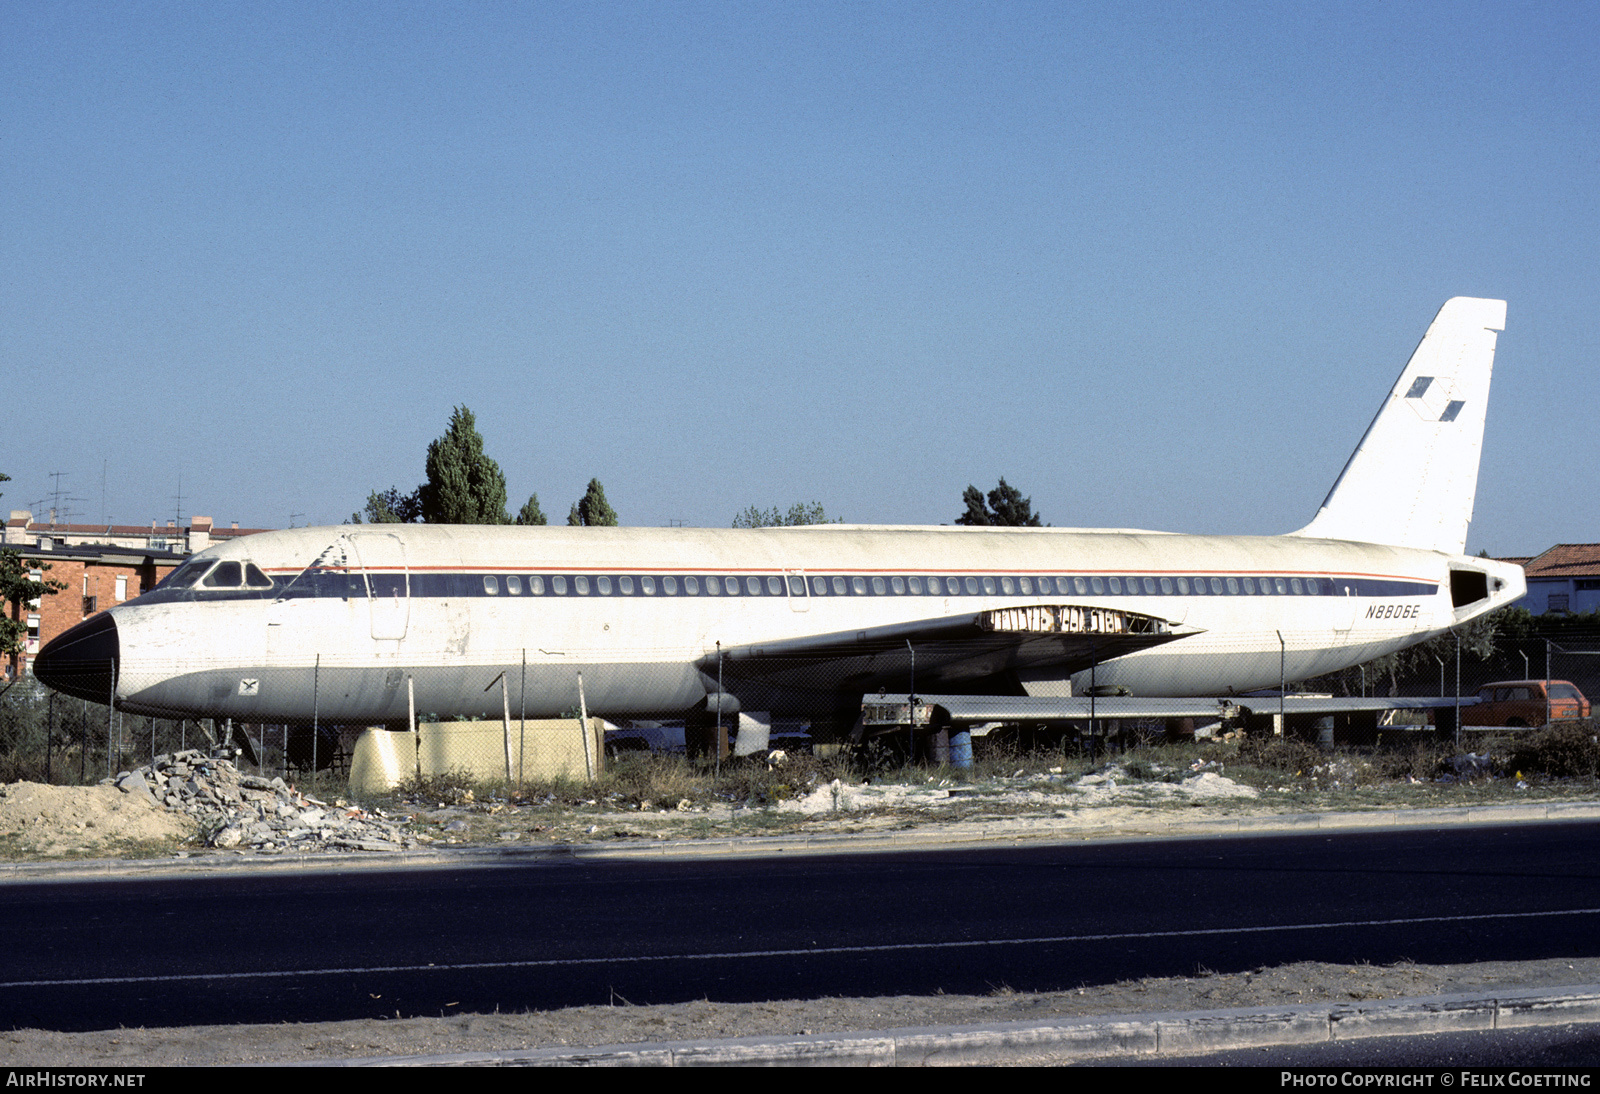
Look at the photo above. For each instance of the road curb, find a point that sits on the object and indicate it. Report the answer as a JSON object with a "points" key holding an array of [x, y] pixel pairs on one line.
{"points": [[1110, 1037]]}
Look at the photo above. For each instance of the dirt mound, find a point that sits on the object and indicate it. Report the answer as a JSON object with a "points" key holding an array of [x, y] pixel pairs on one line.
{"points": [[72, 821]]}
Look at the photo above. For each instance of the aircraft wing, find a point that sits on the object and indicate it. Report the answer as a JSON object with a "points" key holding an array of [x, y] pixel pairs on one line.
{"points": [[944, 651], [976, 709]]}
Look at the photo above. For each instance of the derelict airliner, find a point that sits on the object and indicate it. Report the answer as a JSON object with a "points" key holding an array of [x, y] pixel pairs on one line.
{"points": [[342, 623]]}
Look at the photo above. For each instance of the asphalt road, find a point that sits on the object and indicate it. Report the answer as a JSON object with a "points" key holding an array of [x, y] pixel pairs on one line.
{"points": [[428, 941]]}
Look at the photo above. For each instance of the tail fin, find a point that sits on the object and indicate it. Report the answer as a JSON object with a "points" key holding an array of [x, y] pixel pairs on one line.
{"points": [[1412, 479]]}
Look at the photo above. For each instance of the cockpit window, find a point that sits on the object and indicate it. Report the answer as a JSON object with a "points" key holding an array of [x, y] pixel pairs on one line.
{"points": [[187, 574], [254, 578], [227, 575]]}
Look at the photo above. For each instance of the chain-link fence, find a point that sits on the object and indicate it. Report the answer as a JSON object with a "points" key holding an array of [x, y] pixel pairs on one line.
{"points": [[507, 721]]}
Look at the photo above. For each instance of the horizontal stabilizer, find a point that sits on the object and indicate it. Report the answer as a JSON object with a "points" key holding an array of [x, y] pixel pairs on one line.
{"points": [[1412, 480]]}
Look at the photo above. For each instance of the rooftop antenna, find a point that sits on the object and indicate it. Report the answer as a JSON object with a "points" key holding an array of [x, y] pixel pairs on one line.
{"points": [[61, 510], [292, 516], [177, 516]]}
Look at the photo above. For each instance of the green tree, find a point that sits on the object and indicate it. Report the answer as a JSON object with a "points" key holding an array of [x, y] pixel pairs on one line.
{"points": [[531, 514], [389, 507], [18, 587], [798, 514], [1005, 507], [592, 510], [464, 486]]}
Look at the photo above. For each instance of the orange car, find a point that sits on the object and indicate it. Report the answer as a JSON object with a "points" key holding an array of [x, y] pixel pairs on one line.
{"points": [[1523, 703]]}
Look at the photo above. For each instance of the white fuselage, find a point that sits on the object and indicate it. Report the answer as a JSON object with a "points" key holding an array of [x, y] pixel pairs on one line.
{"points": [[396, 615]]}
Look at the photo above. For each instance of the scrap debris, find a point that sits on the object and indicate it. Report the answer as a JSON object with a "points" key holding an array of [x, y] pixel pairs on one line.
{"points": [[235, 810]]}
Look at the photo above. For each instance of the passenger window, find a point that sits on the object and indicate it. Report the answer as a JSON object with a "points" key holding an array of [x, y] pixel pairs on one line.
{"points": [[492, 587], [1250, 586], [819, 586], [1026, 585], [603, 584], [972, 586], [988, 586], [797, 586], [1080, 586], [1294, 586], [582, 585], [774, 586], [838, 586], [536, 585], [625, 584], [1116, 585], [691, 586], [514, 585], [858, 585], [1281, 585], [898, 585], [1233, 587], [915, 585], [1183, 586], [730, 585], [877, 586], [1166, 586], [1097, 586], [713, 586], [558, 585], [752, 585]]}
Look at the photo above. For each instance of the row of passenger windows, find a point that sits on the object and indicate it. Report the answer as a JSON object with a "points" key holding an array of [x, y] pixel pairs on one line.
{"points": [[840, 585], [229, 580]]}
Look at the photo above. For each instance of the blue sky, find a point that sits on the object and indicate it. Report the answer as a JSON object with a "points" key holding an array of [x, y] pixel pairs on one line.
{"points": [[1154, 264]]}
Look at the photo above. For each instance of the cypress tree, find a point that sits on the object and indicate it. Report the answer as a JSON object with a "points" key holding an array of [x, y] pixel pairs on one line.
{"points": [[531, 514], [464, 486], [592, 510]]}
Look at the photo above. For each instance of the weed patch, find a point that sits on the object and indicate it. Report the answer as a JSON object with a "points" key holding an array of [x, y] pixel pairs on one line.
{"points": [[1564, 750]]}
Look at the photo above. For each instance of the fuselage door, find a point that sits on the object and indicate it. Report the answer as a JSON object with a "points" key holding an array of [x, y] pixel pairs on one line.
{"points": [[382, 558], [799, 595]]}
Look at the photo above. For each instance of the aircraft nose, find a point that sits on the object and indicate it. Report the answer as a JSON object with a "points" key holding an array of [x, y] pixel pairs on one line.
{"points": [[82, 661]]}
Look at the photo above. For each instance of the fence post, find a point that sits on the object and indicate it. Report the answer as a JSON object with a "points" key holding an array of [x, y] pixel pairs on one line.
{"points": [[416, 734], [316, 730], [111, 723], [911, 751], [1283, 682], [505, 720], [1458, 690], [583, 724], [522, 722]]}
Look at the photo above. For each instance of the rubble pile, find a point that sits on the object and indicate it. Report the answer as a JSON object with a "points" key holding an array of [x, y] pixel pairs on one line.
{"points": [[245, 811]]}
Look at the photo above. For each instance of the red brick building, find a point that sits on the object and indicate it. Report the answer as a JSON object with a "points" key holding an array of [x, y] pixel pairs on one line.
{"points": [[100, 565]]}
